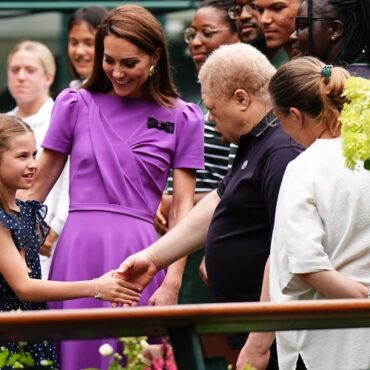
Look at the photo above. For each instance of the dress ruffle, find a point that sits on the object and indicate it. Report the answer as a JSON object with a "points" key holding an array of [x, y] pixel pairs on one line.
{"points": [[38, 213], [28, 226]]}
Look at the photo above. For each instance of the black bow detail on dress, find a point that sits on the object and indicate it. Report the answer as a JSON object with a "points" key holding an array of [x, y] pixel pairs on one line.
{"points": [[168, 127]]}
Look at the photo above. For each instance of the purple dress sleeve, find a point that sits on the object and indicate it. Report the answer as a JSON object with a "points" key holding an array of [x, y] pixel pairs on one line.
{"points": [[189, 138], [59, 136]]}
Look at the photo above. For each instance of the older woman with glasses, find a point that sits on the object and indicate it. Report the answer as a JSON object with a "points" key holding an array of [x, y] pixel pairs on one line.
{"points": [[335, 31], [210, 28]]}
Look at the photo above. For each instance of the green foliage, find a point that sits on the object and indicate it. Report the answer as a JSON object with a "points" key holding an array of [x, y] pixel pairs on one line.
{"points": [[133, 352], [133, 348], [19, 360], [355, 120]]}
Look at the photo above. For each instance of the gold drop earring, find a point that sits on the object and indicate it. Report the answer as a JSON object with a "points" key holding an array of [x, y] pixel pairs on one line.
{"points": [[152, 70]]}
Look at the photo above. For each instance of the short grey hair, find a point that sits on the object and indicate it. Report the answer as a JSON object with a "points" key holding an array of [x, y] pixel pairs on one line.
{"points": [[236, 66]]}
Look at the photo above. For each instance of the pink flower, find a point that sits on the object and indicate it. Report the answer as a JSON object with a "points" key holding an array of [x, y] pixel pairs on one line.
{"points": [[167, 361]]}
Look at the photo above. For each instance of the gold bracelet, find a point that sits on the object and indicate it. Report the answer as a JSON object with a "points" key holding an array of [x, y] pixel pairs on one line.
{"points": [[96, 286]]}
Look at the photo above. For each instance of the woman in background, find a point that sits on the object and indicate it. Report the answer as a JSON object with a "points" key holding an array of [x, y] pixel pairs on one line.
{"points": [[82, 27], [335, 31]]}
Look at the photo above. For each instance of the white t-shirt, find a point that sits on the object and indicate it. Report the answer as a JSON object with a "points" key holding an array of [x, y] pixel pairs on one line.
{"points": [[39, 121], [58, 200], [322, 223]]}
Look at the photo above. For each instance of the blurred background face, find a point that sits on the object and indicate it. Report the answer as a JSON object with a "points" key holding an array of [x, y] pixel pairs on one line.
{"points": [[210, 30], [27, 79], [278, 21], [321, 45], [81, 48], [248, 23]]}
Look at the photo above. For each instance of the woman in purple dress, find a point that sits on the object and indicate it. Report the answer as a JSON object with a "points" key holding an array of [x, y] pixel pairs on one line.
{"points": [[123, 130]]}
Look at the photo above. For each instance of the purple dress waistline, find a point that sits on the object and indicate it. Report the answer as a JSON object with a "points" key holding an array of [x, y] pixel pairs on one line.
{"points": [[115, 208]]}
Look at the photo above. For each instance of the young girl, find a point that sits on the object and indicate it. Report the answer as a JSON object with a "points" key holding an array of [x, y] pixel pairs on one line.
{"points": [[22, 232]]}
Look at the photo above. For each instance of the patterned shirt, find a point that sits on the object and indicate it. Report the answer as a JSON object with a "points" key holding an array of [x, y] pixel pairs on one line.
{"points": [[216, 157]]}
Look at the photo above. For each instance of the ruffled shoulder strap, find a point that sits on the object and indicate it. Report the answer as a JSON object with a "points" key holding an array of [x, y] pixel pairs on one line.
{"points": [[33, 214], [38, 209]]}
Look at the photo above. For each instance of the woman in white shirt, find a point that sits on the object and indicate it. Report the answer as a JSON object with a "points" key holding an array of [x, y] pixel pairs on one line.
{"points": [[320, 245], [31, 71]]}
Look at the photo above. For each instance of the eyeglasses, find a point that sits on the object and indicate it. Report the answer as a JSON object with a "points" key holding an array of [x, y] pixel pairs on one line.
{"points": [[205, 33], [235, 11], [303, 22]]}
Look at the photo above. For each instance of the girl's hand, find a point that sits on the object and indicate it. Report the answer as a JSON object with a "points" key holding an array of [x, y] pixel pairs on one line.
{"points": [[110, 288]]}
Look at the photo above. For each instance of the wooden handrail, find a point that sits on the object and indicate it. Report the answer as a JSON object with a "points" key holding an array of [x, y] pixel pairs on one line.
{"points": [[206, 318]]}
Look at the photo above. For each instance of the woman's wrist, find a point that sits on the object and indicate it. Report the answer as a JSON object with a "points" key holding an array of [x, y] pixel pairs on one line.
{"points": [[96, 291]]}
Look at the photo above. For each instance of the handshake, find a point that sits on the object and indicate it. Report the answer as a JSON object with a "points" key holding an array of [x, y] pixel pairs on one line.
{"points": [[123, 286]]}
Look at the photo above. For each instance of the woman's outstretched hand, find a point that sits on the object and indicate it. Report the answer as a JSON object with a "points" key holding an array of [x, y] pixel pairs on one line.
{"points": [[112, 288]]}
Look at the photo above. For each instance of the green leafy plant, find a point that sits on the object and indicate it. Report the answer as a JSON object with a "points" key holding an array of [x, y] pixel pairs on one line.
{"points": [[133, 352], [19, 360], [355, 120]]}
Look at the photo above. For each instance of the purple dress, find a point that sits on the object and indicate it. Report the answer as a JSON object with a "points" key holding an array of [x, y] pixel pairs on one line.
{"points": [[121, 151]]}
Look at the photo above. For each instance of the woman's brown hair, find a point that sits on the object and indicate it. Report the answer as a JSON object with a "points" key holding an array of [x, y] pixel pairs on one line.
{"points": [[138, 26], [301, 83], [10, 126]]}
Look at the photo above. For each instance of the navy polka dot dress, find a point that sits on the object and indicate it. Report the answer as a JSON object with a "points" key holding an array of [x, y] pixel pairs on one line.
{"points": [[28, 230]]}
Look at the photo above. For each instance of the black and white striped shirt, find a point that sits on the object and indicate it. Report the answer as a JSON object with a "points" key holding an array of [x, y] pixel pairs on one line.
{"points": [[216, 158]]}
